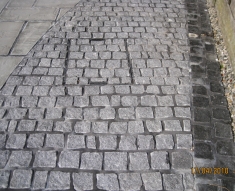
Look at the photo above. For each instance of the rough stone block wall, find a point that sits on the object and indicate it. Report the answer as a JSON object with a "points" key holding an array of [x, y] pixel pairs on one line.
{"points": [[226, 14]]}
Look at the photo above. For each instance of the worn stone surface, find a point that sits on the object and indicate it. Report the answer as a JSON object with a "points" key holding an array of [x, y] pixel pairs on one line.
{"points": [[21, 179], [203, 150], [55, 140], [152, 181], [172, 125], [223, 130], [144, 112], [40, 179], [2, 140], [145, 142], [130, 181], [138, 161], [126, 113], [225, 148], [115, 161], [91, 161], [4, 156], [184, 141], [90, 142], [75, 141], [100, 127], [20, 159], [108, 142], [82, 127], [127, 142], [173, 181], [59, 181], [154, 126], [102, 102], [69, 159], [135, 127], [4, 178], [182, 160], [16, 141], [83, 181], [118, 127], [107, 181], [159, 160], [164, 141], [202, 132], [29, 14], [45, 159], [11, 31], [27, 40], [163, 112], [63, 126]]}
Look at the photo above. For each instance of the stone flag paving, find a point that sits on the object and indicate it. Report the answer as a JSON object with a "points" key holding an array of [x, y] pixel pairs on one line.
{"points": [[102, 102]]}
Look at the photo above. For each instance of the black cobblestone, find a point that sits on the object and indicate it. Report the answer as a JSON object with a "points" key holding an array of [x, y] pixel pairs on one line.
{"points": [[202, 132], [200, 102], [216, 87], [202, 115], [222, 114], [225, 148], [199, 90], [203, 150]]}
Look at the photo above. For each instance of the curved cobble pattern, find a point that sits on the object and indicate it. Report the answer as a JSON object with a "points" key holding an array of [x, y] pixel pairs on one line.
{"points": [[102, 102]]}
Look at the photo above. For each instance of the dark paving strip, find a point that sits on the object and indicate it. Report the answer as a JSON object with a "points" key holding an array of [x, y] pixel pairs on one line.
{"points": [[214, 149], [66, 62], [129, 63]]}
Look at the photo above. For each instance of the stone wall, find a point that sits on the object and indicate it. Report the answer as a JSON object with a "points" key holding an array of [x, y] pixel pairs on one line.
{"points": [[226, 14]]}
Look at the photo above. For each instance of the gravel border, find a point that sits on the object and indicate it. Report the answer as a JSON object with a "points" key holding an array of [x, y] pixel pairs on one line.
{"points": [[227, 73]]}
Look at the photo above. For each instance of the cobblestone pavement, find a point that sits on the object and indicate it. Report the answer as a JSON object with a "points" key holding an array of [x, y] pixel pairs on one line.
{"points": [[22, 24], [102, 102]]}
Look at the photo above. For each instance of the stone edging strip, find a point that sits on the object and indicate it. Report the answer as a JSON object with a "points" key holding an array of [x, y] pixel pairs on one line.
{"points": [[214, 149]]}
